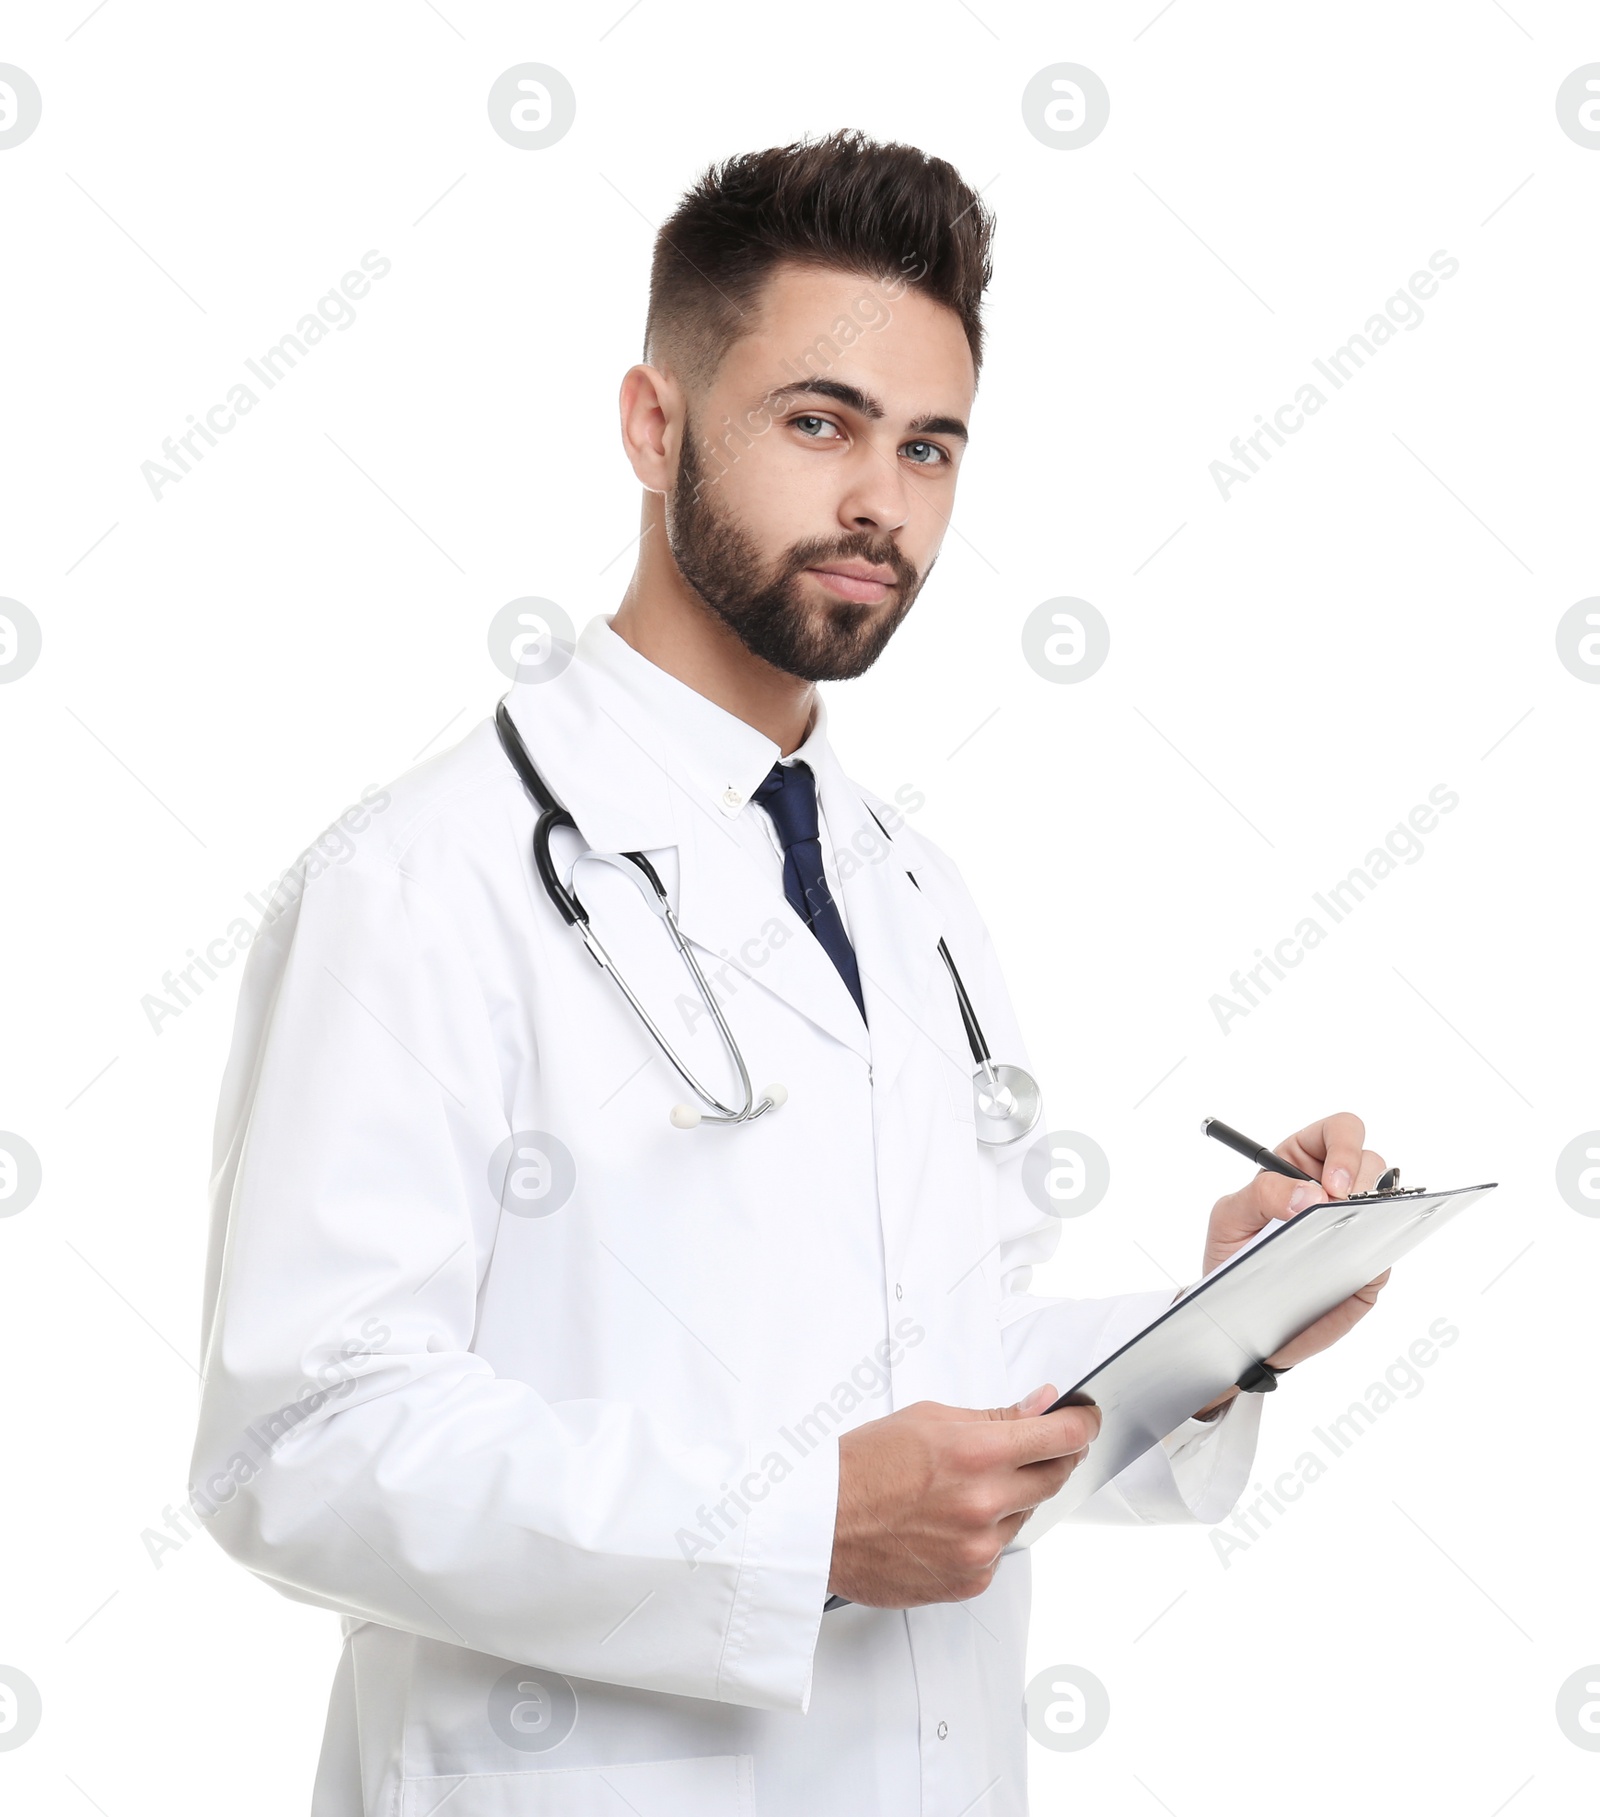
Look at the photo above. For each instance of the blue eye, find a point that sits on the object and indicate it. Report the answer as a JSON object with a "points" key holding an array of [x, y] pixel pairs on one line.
{"points": [[932, 449]]}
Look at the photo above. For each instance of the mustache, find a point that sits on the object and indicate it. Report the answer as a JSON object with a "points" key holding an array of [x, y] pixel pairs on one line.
{"points": [[817, 553]]}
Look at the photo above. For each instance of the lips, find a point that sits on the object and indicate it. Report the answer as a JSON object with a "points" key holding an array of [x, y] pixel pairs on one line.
{"points": [[857, 581]]}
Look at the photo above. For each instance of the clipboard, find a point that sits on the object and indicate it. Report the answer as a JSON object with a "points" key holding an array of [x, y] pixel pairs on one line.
{"points": [[1218, 1331]]}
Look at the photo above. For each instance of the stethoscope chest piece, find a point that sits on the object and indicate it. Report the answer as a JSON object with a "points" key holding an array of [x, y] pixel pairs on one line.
{"points": [[1005, 1104]]}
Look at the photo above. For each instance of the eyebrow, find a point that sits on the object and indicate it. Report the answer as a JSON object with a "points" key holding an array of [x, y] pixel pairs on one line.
{"points": [[864, 404]]}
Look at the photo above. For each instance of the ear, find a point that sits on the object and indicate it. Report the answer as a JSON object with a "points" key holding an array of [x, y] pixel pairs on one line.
{"points": [[653, 411]]}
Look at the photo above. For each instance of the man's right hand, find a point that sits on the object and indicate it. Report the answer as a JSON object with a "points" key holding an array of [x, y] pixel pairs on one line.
{"points": [[930, 1496]]}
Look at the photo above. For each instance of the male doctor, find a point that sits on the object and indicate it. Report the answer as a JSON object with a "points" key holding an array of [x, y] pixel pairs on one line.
{"points": [[579, 1418]]}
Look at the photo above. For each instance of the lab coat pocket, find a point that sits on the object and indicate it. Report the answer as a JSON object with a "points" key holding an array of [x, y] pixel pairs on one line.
{"points": [[711, 1785]]}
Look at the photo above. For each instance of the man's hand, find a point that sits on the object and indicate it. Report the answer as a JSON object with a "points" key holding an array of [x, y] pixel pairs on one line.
{"points": [[1331, 1152], [930, 1496]]}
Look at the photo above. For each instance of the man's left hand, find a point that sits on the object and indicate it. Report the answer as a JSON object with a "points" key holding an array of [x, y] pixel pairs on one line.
{"points": [[1331, 1152]]}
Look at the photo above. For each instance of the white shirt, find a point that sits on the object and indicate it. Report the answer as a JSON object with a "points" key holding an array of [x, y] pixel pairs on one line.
{"points": [[730, 757]]}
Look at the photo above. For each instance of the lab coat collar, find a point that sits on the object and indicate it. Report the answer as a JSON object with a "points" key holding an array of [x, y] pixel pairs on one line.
{"points": [[642, 762], [718, 758]]}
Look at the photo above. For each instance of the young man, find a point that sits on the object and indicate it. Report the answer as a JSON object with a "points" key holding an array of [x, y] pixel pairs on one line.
{"points": [[577, 1412]]}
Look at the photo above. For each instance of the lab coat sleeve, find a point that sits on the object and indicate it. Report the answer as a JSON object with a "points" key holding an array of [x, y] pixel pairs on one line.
{"points": [[1196, 1473], [352, 1449]]}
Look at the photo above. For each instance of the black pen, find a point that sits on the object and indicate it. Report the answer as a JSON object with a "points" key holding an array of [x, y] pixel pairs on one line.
{"points": [[1252, 1151], [1264, 1157]]}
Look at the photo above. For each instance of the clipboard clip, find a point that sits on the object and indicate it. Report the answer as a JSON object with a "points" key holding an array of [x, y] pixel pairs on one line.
{"points": [[1389, 1187], [1260, 1378]]}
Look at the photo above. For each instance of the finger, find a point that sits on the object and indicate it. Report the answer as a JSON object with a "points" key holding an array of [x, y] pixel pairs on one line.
{"points": [[1030, 1484], [1371, 1170], [1026, 1408], [1036, 1483], [1008, 1528], [1052, 1434], [1330, 1149], [1282, 1198], [1241, 1214]]}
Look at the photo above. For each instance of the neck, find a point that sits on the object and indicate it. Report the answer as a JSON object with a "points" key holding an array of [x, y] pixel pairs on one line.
{"points": [[671, 626]]}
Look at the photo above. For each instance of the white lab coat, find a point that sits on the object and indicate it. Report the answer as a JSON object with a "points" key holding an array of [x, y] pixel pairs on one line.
{"points": [[561, 1446]]}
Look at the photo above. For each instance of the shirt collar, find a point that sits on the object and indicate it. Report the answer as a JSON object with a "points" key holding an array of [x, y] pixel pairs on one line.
{"points": [[721, 757]]}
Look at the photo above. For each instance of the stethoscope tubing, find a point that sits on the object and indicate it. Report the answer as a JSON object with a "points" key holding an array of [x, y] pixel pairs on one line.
{"points": [[570, 907], [552, 815], [721, 1113]]}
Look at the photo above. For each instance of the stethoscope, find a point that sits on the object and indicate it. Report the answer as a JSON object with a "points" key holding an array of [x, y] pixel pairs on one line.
{"points": [[1006, 1100]]}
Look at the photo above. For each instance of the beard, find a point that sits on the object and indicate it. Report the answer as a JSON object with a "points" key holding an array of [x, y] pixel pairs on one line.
{"points": [[767, 611]]}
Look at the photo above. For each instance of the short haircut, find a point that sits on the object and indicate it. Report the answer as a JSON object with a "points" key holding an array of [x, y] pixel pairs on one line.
{"points": [[845, 202]]}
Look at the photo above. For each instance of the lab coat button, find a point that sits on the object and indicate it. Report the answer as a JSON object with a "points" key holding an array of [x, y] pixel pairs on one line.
{"points": [[942, 1730], [899, 1291]]}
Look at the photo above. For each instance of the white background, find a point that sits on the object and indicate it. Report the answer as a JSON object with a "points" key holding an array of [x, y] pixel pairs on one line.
{"points": [[1371, 615]]}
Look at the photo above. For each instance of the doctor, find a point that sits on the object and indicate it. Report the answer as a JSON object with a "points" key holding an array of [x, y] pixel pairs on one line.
{"points": [[578, 1417]]}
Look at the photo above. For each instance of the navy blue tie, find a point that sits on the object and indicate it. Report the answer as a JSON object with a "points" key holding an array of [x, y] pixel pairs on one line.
{"points": [[789, 794]]}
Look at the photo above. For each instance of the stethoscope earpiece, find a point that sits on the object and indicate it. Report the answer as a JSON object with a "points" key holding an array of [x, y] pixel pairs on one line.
{"points": [[688, 1116]]}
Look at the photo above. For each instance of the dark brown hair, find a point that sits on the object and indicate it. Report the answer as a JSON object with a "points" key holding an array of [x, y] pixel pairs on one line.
{"points": [[886, 211]]}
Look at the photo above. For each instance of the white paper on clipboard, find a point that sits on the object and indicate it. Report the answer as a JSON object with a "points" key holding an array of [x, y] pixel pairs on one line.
{"points": [[1247, 1307]]}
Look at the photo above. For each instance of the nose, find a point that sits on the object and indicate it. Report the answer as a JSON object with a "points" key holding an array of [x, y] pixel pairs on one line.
{"points": [[876, 497]]}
